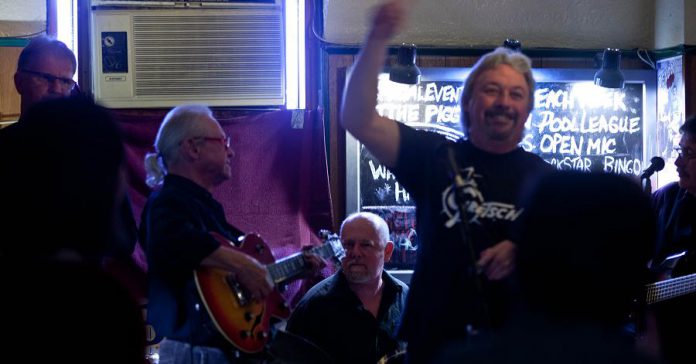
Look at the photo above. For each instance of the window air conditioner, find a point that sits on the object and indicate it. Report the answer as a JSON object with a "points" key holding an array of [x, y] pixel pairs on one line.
{"points": [[224, 55]]}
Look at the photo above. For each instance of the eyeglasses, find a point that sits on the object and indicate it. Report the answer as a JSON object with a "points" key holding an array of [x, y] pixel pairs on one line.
{"points": [[686, 154], [65, 83], [226, 141]]}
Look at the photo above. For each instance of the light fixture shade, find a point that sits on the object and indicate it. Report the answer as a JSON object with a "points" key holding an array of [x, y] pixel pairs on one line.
{"points": [[610, 75], [405, 70]]}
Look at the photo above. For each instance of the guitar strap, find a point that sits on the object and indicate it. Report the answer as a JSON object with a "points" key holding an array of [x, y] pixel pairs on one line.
{"points": [[465, 232]]}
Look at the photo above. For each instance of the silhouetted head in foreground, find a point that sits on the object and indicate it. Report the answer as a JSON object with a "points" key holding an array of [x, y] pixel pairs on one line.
{"points": [[61, 179], [584, 243]]}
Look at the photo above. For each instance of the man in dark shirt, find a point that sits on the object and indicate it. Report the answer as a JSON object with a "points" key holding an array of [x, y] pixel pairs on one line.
{"points": [[45, 71], [192, 158], [583, 242], [61, 183], [461, 282], [676, 207], [354, 314]]}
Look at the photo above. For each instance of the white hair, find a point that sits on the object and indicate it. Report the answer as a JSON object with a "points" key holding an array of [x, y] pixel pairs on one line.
{"points": [[178, 125]]}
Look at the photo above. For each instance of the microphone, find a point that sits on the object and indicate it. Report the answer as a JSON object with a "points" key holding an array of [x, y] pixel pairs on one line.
{"points": [[656, 165]]}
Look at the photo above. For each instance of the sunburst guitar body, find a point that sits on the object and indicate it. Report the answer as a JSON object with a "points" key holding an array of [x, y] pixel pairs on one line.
{"points": [[243, 321]]}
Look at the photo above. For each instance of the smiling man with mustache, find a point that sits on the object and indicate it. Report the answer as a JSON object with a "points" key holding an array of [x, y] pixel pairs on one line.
{"points": [[461, 280]]}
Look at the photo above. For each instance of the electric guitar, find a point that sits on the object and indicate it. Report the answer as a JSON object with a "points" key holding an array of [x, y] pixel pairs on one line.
{"points": [[243, 321], [642, 316], [670, 288], [673, 287]]}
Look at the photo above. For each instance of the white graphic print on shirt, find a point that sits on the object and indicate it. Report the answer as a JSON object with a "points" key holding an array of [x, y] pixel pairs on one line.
{"points": [[476, 206]]}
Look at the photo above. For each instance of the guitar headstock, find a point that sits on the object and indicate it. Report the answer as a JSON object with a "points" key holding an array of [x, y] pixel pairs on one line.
{"points": [[333, 242]]}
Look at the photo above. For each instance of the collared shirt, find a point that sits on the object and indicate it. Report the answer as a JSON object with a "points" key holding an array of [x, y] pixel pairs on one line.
{"points": [[175, 228], [332, 317], [676, 209]]}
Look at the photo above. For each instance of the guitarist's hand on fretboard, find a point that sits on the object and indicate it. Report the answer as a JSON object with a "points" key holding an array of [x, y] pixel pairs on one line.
{"points": [[314, 263], [239, 292]]}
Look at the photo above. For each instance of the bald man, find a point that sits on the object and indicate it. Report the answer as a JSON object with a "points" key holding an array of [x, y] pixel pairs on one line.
{"points": [[354, 314]]}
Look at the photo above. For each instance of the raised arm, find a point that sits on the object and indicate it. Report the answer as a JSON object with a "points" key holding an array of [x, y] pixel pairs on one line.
{"points": [[358, 115]]}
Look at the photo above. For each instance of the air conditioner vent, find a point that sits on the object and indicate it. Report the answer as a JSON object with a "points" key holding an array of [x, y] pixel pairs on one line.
{"points": [[222, 57]]}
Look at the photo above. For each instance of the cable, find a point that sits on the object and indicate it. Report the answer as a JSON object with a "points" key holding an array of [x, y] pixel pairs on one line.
{"points": [[647, 59], [20, 36]]}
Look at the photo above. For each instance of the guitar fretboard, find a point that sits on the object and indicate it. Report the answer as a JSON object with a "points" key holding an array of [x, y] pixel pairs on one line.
{"points": [[290, 266], [671, 288]]}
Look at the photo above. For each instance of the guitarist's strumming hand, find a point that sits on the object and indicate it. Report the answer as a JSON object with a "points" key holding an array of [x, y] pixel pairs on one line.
{"points": [[244, 269], [498, 261]]}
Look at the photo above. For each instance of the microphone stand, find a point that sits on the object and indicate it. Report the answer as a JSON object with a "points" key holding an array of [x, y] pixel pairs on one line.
{"points": [[465, 233], [646, 184]]}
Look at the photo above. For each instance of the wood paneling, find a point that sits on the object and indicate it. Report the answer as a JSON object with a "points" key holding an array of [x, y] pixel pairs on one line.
{"points": [[690, 83], [337, 68], [9, 98]]}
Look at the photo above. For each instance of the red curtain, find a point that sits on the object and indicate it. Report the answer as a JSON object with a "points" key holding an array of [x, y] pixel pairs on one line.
{"points": [[279, 186]]}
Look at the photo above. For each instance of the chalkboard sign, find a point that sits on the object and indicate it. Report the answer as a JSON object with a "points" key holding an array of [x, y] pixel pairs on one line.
{"points": [[584, 127], [430, 105], [574, 125]]}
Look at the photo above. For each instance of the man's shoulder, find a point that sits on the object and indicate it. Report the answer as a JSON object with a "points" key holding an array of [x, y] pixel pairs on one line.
{"points": [[535, 159], [166, 193], [322, 289], [412, 136], [318, 301], [667, 192], [395, 282], [672, 187], [172, 190]]}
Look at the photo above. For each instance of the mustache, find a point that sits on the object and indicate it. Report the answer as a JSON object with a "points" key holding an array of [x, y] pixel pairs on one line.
{"points": [[501, 111], [350, 262]]}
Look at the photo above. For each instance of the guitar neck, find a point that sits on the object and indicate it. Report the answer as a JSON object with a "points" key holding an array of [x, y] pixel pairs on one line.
{"points": [[293, 265], [670, 288]]}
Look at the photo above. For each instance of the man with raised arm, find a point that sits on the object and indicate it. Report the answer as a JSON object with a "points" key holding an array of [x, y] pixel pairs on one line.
{"points": [[460, 287]]}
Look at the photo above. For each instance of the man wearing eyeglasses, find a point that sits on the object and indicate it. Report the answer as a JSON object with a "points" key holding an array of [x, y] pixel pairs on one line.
{"points": [[676, 207], [45, 70], [192, 158]]}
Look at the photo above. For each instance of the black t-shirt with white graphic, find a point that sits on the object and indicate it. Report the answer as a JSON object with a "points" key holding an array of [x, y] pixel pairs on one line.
{"points": [[444, 299]]}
